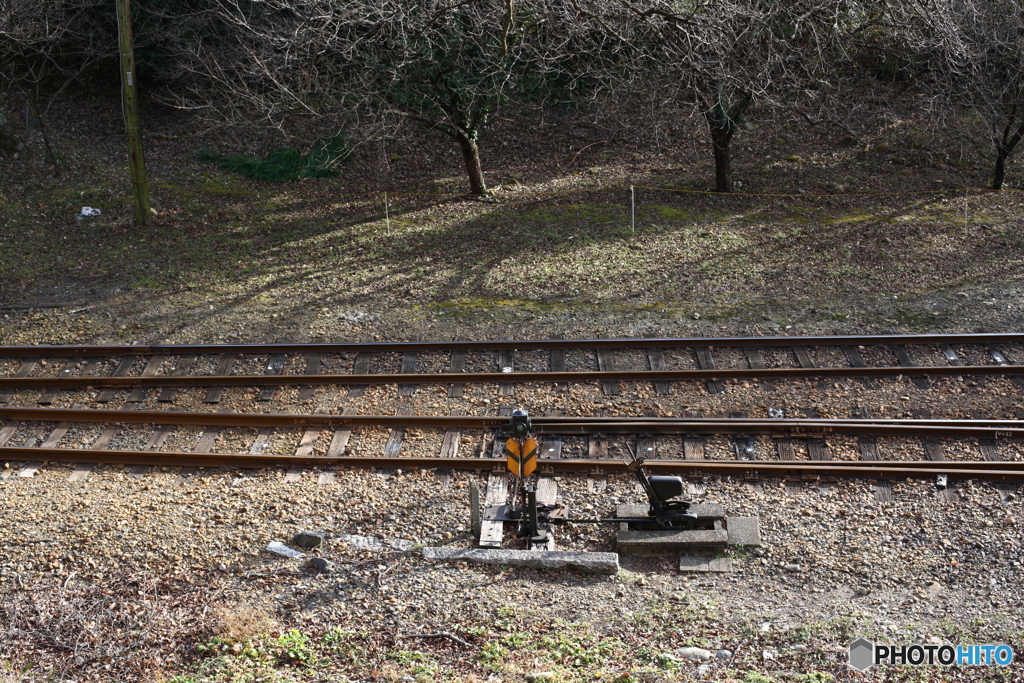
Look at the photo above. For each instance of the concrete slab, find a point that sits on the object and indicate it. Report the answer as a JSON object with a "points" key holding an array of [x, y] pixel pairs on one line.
{"points": [[597, 563], [667, 543], [702, 563], [744, 530]]}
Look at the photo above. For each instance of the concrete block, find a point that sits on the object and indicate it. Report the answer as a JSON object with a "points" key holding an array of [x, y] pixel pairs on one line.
{"points": [[597, 563], [702, 563], [666, 543], [744, 530]]}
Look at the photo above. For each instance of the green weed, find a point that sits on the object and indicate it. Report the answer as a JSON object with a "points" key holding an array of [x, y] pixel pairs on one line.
{"points": [[505, 617], [295, 647], [287, 163], [421, 665], [755, 677], [814, 677], [493, 656], [344, 644]]}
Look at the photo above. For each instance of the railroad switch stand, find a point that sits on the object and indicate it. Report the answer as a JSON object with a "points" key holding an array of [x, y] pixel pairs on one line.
{"points": [[521, 450], [664, 525], [534, 518], [667, 513]]}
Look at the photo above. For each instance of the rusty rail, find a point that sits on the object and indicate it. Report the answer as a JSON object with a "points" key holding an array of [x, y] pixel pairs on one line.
{"points": [[66, 383], [541, 425], [998, 471], [398, 347]]}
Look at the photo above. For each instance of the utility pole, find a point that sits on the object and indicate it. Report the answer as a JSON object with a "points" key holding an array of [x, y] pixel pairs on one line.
{"points": [[130, 105]]}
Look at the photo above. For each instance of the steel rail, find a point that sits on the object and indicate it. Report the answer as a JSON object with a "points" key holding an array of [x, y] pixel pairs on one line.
{"points": [[494, 345], [999, 471], [541, 425], [498, 377]]}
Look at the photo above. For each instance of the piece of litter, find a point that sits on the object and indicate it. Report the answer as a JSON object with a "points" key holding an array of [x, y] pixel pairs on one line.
{"points": [[506, 369], [89, 211], [281, 549], [374, 543]]}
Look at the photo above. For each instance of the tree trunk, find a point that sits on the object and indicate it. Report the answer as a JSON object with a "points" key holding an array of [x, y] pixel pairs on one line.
{"points": [[471, 154], [46, 143], [1005, 146], [723, 122], [9, 142], [1000, 173], [720, 139]]}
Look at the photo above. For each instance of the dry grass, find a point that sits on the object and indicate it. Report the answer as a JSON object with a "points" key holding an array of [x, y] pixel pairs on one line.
{"points": [[549, 241], [243, 622], [123, 628]]}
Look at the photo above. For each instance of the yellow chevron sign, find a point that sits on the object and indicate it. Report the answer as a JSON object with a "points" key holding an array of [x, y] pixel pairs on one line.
{"points": [[523, 462]]}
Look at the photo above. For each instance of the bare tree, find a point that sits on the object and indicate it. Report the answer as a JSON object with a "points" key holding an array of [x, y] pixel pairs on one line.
{"points": [[721, 57], [969, 53], [445, 64], [52, 43], [455, 64], [47, 46]]}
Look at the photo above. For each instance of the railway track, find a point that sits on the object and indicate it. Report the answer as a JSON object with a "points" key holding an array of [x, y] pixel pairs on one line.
{"points": [[91, 378], [805, 366]]}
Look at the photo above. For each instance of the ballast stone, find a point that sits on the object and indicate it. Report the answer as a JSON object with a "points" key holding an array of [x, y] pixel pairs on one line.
{"points": [[598, 563], [308, 539], [320, 565]]}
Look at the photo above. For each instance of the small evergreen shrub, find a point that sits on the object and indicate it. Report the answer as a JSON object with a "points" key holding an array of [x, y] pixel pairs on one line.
{"points": [[321, 161]]}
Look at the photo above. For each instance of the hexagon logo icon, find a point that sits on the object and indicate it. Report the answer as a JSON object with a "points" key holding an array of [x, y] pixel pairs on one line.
{"points": [[862, 654]]}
